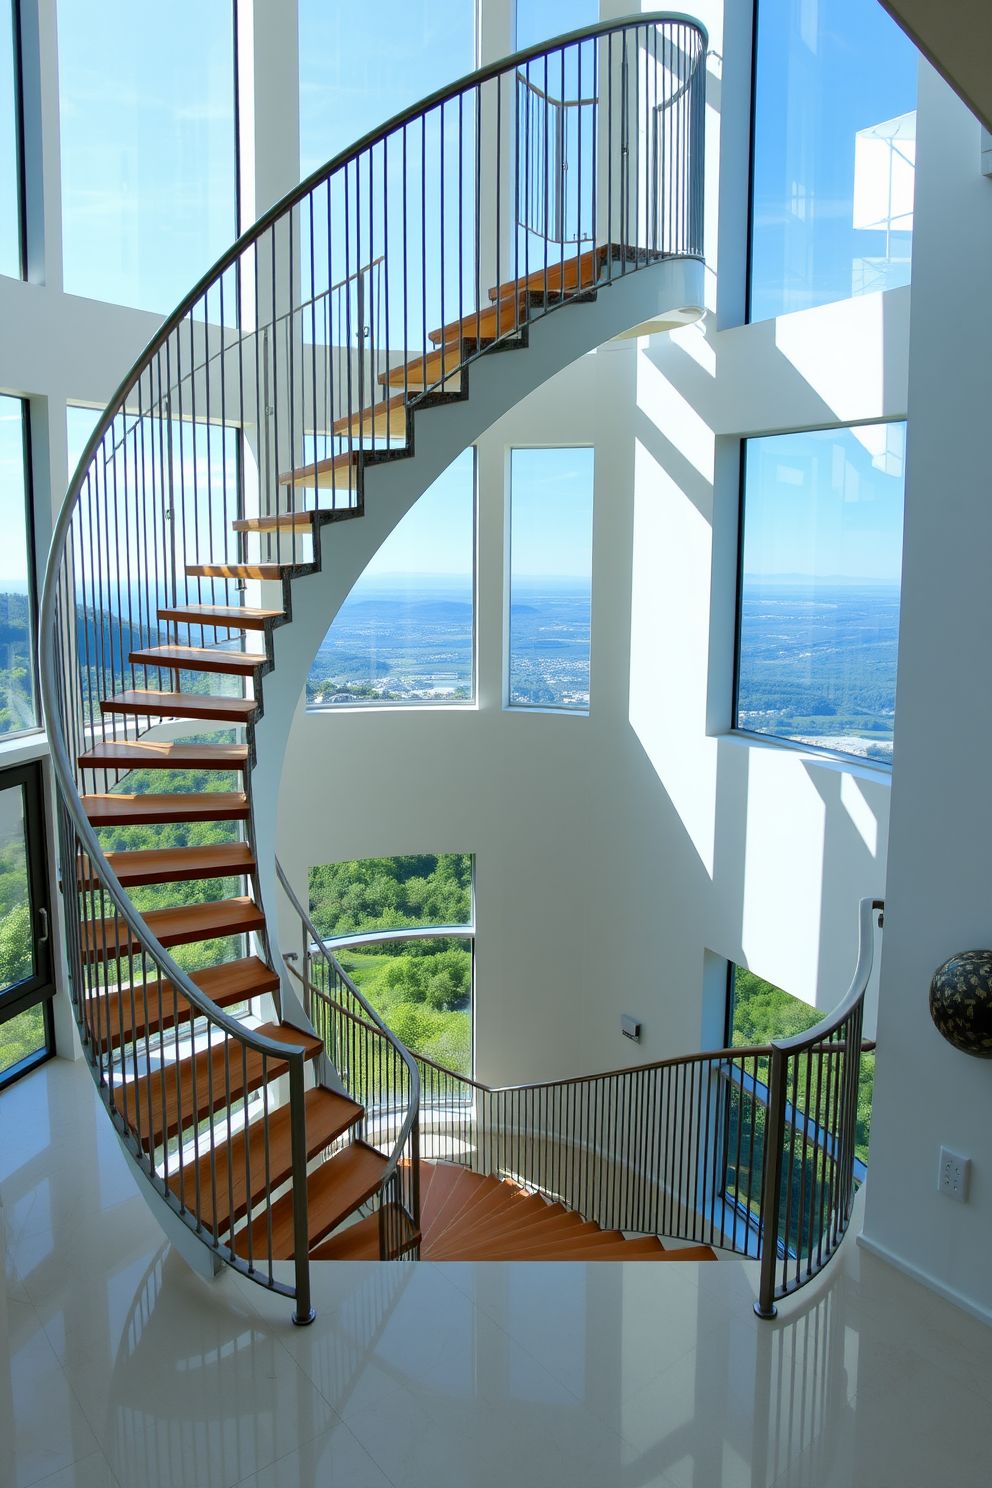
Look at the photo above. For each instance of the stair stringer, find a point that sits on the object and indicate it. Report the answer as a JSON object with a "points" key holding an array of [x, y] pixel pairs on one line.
{"points": [[497, 382]]}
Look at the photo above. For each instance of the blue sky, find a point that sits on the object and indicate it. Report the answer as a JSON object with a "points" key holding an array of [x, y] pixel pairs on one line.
{"points": [[539, 20], [146, 98], [347, 88], [822, 504], [825, 70], [433, 546], [551, 514]]}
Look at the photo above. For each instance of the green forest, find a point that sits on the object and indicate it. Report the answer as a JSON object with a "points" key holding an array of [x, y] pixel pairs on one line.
{"points": [[17, 708], [22, 1035], [421, 988], [182, 834], [762, 1012]]}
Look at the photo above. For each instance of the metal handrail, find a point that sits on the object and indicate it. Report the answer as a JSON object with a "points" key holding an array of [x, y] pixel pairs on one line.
{"points": [[132, 496], [374, 1018], [768, 1119]]}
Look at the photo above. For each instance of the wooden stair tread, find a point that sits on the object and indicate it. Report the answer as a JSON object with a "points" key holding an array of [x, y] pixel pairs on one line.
{"points": [[334, 1190], [153, 755], [159, 1103], [244, 1169], [566, 269], [423, 371], [359, 1242], [173, 864], [485, 1199], [337, 472], [181, 705], [298, 521], [526, 1209], [199, 659], [127, 1012], [535, 1226], [378, 409], [455, 1198], [237, 570], [519, 1247], [489, 321], [144, 809], [222, 617], [182, 924]]}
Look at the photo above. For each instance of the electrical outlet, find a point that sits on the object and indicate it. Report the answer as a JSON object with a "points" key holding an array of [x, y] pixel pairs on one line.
{"points": [[952, 1179]]}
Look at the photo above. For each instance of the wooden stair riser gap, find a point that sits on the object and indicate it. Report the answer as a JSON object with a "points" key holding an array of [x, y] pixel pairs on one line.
{"points": [[112, 939], [328, 1117], [336, 1189], [168, 1091], [157, 1006]]}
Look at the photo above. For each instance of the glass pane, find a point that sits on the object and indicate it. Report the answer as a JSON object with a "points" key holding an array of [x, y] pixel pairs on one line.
{"points": [[542, 20], [146, 95], [17, 687], [10, 169], [550, 577], [834, 154], [347, 87], [421, 988], [22, 1036], [405, 632], [16, 938], [820, 593]]}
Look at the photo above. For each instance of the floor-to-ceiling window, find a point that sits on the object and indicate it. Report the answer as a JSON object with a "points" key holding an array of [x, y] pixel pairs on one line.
{"points": [[550, 588], [834, 153], [10, 147], [405, 634], [821, 555], [348, 86], [26, 977], [146, 100], [18, 699], [541, 20], [421, 986]]}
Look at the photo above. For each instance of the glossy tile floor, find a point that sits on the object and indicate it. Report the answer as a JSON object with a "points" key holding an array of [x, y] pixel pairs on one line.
{"points": [[123, 1369]]}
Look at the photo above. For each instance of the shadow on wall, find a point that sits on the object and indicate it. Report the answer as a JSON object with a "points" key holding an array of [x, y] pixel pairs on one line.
{"points": [[788, 843]]}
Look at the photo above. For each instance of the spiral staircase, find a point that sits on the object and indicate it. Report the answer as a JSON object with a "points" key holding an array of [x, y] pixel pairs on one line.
{"points": [[273, 433]]}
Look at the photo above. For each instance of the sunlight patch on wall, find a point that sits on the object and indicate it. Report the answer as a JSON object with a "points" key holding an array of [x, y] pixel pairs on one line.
{"points": [[840, 350], [783, 872], [675, 417], [669, 641], [860, 813]]}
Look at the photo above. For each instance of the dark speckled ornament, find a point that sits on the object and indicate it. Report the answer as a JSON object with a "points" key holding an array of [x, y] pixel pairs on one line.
{"points": [[961, 1002]]}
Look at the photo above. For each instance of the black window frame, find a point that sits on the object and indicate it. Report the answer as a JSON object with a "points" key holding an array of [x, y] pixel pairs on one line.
{"points": [[40, 987]]}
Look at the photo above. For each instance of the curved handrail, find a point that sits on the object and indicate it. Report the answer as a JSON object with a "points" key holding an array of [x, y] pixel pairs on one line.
{"points": [[374, 1018], [695, 1146], [867, 909], [294, 197], [141, 501]]}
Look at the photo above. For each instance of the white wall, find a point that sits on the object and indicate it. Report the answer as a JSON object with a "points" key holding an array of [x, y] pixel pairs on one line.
{"points": [[927, 1093]]}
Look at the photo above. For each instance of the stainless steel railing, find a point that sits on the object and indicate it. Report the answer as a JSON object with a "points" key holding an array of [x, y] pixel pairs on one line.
{"points": [[296, 363], [377, 1071], [748, 1149]]}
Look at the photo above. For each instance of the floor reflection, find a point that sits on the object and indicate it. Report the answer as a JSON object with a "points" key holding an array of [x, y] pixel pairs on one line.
{"points": [[122, 1369]]}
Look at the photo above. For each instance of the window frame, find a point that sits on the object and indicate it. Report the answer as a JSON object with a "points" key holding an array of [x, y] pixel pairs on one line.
{"points": [[754, 736], [40, 987], [17, 62], [30, 549]]}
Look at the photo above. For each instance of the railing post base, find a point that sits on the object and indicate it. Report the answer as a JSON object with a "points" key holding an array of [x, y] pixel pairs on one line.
{"points": [[766, 1313], [303, 1319]]}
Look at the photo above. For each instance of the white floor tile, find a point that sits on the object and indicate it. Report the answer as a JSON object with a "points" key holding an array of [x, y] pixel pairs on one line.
{"points": [[121, 1369]]}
